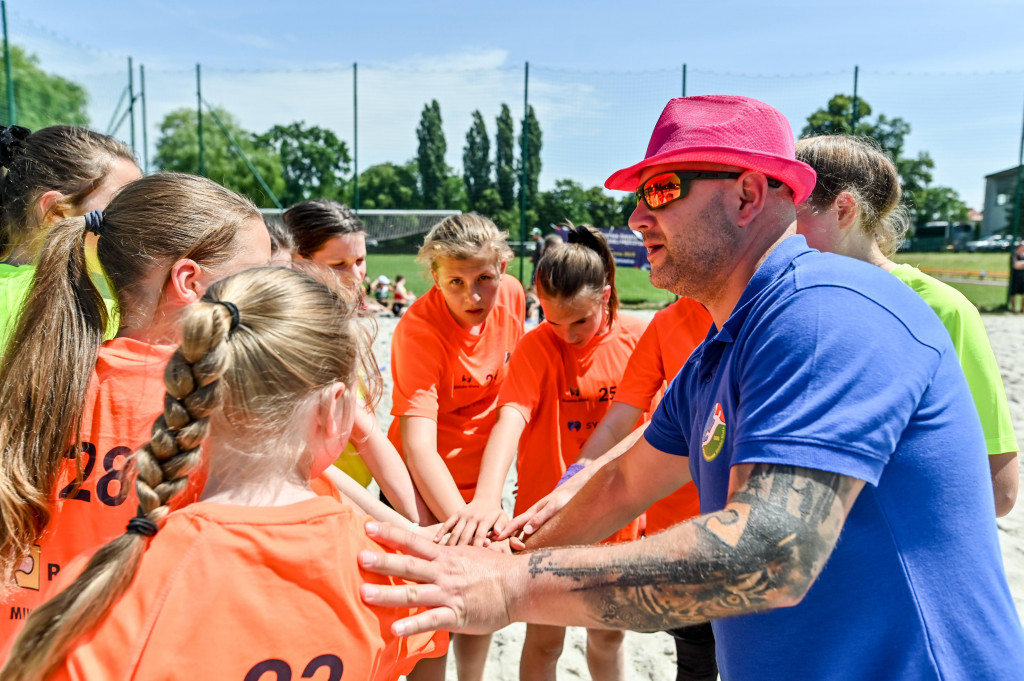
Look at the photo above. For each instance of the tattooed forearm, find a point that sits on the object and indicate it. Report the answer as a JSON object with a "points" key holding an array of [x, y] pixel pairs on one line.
{"points": [[762, 551]]}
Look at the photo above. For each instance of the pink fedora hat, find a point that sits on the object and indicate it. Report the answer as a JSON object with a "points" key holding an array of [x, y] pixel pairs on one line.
{"points": [[735, 131]]}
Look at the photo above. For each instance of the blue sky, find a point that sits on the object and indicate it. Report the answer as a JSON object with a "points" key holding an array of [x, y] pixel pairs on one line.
{"points": [[955, 70]]}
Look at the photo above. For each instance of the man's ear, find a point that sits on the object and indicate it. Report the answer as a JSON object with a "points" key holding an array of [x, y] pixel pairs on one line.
{"points": [[184, 284], [753, 193], [846, 209]]}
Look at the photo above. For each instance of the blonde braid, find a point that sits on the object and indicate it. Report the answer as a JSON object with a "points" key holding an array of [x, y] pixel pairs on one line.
{"points": [[194, 391]]}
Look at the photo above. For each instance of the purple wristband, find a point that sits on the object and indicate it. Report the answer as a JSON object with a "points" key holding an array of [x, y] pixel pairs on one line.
{"points": [[569, 472]]}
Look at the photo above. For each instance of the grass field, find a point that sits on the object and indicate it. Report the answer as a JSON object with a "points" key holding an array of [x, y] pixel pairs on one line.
{"points": [[635, 289], [633, 285]]}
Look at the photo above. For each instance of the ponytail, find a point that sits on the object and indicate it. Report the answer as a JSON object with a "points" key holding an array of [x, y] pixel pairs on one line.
{"points": [[194, 392], [44, 379], [585, 265], [45, 373]]}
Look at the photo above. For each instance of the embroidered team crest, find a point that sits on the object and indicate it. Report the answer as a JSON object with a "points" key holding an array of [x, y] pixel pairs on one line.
{"points": [[714, 434]]}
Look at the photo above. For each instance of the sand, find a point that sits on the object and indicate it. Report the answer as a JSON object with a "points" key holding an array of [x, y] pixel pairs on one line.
{"points": [[652, 656]]}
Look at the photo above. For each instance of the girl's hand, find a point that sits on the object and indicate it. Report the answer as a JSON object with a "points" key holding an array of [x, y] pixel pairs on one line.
{"points": [[472, 524]]}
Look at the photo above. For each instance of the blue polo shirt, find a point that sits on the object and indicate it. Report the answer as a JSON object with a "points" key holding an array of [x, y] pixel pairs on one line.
{"points": [[833, 364]]}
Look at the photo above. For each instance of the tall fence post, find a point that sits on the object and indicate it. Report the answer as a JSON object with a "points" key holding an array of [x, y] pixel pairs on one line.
{"points": [[199, 115], [855, 109], [1015, 222], [525, 151], [12, 114], [355, 136], [684, 80], [131, 101], [145, 135]]}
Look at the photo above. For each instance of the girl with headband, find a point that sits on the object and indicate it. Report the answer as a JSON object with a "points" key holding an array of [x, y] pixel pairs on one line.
{"points": [[562, 380], [260, 574], [855, 211], [449, 358], [51, 174], [76, 407]]}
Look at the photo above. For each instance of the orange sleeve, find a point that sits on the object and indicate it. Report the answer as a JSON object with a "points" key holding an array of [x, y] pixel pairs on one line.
{"points": [[417, 361], [645, 374], [528, 373]]}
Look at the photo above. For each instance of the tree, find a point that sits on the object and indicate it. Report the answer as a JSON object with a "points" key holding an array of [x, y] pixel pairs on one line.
{"points": [[890, 133], [504, 159], [476, 162], [177, 149], [387, 185], [430, 156], [41, 99], [314, 161], [530, 140], [570, 201], [939, 203]]}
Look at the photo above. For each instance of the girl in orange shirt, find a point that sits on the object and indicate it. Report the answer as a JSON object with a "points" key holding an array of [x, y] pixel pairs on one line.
{"points": [[259, 575], [449, 357], [562, 379], [164, 239], [330, 234]]}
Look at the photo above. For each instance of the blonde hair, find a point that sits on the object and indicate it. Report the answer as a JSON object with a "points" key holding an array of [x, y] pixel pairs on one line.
{"points": [[462, 237], [295, 336], [583, 266], [45, 374], [858, 166]]}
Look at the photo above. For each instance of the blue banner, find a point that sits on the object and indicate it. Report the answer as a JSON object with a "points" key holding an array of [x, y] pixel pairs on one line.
{"points": [[625, 245]]}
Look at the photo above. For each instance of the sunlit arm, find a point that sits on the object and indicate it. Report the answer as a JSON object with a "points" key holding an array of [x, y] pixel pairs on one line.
{"points": [[428, 470]]}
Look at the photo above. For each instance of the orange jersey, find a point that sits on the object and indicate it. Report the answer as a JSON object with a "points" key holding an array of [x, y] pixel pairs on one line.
{"points": [[444, 373], [235, 592], [662, 351], [126, 395], [563, 393]]}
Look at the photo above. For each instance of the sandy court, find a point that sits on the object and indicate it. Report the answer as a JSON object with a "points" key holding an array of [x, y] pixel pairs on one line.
{"points": [[652, 656]]}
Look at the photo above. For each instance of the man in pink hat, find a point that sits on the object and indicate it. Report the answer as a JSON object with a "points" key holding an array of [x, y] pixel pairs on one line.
{"points": [[846, 533]]}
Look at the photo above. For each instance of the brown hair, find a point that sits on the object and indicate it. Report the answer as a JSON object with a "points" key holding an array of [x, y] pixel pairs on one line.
{"points": [[858, 166], [584, 266], [44, 376], [63, 158], [312, 223], [462, 237], [295, 337]]}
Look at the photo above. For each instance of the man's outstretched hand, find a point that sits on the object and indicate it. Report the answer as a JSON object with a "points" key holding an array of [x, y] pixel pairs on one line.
{"points": [[462, 588]]}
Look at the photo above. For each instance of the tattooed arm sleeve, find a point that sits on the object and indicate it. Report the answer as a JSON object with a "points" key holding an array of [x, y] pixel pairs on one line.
{"points": [[762, 551]]}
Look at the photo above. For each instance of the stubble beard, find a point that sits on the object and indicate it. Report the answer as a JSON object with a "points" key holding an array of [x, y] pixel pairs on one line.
{"points": [[698, 267]]}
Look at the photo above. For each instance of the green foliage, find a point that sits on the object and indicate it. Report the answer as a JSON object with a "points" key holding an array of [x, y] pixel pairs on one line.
{"points": [[925, 202], [177, 149], [314, 161], [476, 162], [387, 185], [570, 201], [41, 99], [939, 203], [504, 159], [430, 156], [530, 141]]}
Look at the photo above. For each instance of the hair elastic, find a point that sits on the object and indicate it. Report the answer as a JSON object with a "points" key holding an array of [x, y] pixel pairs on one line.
{"points": [[235, 317], [142, 525], [94, 221]]}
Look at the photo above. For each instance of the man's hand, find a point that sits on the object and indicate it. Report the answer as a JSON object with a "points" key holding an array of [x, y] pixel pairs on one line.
{"points": [[472, 524], [464, 589]]}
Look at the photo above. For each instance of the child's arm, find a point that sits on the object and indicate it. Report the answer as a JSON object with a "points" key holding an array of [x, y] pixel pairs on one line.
{"points": [[428, 470], [385, 463], [473, 522], [368, 503]]}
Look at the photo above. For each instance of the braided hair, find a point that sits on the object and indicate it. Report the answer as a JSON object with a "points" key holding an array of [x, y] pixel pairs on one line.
{"points": [[257, 355]]}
